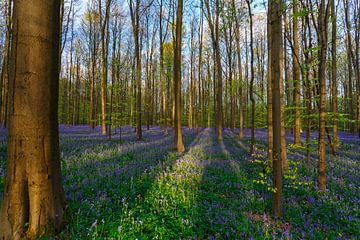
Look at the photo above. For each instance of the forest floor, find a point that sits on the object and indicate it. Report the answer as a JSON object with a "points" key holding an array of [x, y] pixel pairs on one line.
{"points": [[132, 189]]}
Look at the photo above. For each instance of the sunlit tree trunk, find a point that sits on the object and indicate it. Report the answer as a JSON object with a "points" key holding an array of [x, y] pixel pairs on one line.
{"points": [[296, 76], [33, 189], [104, 63], [177, 79]]}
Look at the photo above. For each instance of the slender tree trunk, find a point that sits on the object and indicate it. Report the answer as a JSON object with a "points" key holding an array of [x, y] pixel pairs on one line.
{"points": [[33, 189], [333, 74], [104, 62], [252, 98], [276, 75], [322, 34], [296, 76]]}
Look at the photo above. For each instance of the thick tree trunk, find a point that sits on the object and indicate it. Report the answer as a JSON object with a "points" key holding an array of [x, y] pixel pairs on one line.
{"points": [[177, 79], [33, 190]]}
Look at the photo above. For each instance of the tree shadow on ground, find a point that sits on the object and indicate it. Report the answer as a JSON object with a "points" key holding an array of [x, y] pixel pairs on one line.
{"points": [[225, 192], [106, 188]]}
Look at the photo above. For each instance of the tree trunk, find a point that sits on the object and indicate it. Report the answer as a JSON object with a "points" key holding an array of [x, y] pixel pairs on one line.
{"points": [[252, 98], [276, 75], [322, 34], [177, 80], [334, 86], [33, 190], [296, 76]]}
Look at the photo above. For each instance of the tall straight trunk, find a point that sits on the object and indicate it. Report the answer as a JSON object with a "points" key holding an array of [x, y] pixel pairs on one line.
{"points": [[219, 75], [177, 79], [276, 75], [104, 46], [33, 189], [200, 80], [334, 86], [296, 76], [322, 35], [252, 98]]}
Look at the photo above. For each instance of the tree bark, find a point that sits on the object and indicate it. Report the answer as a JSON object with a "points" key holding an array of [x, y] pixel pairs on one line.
{"points": [[276, 75], [33, 189], [334, 86], [296, 76], [177, 79], [252, 98], [322, 35]]}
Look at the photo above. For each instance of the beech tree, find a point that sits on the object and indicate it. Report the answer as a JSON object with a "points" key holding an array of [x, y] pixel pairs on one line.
{"points": [[33, 191], [276, 75], [296, 75], [323, 42], [177, 79], [104, 23], [252, 73]]}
